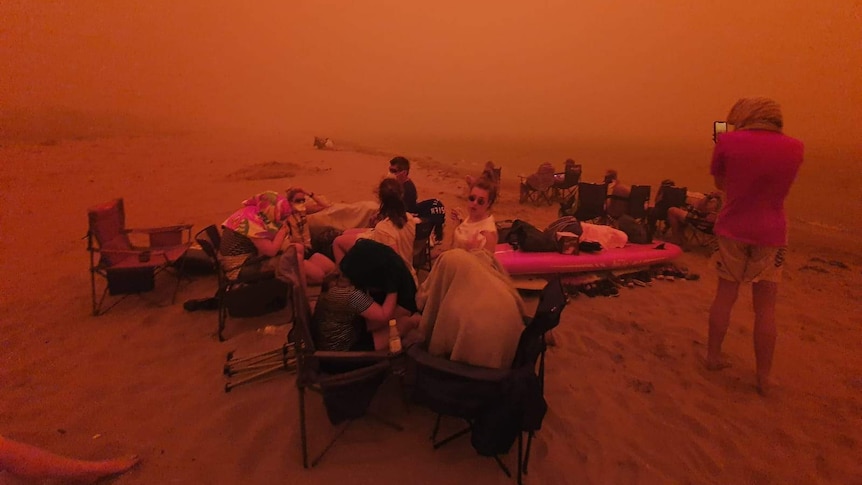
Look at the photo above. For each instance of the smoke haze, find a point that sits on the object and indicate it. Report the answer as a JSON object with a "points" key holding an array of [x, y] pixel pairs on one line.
{"points": [[595, 68]]}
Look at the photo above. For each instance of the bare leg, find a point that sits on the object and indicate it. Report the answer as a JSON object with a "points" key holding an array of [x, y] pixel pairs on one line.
{"points": [[31, 463], [676, 219], [343, 243], [316, 268], [764, 296], [719, 320]]}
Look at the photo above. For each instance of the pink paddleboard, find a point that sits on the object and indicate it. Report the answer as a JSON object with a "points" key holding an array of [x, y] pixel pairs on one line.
{"points": [[519, 263]]}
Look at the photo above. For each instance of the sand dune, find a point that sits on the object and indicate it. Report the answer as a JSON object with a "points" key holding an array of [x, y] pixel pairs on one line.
{"points": [[629, 400]]}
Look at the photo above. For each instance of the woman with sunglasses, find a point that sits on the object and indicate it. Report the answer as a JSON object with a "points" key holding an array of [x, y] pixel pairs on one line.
{"points": [[315, 265], [477, 229]]}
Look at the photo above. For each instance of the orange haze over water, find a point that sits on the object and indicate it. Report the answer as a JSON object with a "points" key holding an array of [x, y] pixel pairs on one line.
{"points": [[607, 71]]}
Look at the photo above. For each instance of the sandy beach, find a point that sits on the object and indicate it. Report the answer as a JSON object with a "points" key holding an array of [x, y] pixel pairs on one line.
{"points": [[629, 400]]}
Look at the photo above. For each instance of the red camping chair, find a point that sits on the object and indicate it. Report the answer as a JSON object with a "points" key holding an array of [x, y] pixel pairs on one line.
{"points": [[130, 269]]}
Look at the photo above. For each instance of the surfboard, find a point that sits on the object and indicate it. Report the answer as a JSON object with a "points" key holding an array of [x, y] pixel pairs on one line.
{"points": [[630, 256]]}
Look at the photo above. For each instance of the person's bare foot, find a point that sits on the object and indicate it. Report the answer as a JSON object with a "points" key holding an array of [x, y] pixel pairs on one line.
{"points": [[106, 468], [766, 385], [716, 364]]}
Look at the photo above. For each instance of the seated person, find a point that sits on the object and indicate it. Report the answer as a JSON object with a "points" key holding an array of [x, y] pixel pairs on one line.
{"points": [[490, 172], [701, 216], [346, 318], [396, 228], [258, 232], [571, 171], [315, 265], [617, 204], [376, 269], [471, 311], [477, 229], [542, 180], [430, 210]]}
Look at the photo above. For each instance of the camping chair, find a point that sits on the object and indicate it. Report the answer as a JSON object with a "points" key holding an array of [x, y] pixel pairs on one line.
{"points": [[591, 201], [250, 293], [667, 196], [479, 394], [422, 245], [129, 268], [566, 183], [538, 187], [346, 380], [639, 201]]}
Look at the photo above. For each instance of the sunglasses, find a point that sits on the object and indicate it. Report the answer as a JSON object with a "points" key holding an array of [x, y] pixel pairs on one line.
{"points": [[299, 201], [477, 200], [394, 170]]}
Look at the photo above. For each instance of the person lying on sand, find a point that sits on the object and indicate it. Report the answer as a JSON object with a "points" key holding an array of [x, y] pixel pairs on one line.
{"points": [[28, 462]]}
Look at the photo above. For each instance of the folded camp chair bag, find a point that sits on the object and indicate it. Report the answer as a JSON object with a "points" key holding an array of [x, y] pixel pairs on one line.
{"points": [[123, 281], [257, 298]]}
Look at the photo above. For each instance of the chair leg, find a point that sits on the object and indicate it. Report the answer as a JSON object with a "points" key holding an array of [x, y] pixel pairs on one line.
{"points": [[332, 442], [179, 279], [527, 451], [302, 431], [502, 466], [436, 427], [222, 316], [521, 470]]}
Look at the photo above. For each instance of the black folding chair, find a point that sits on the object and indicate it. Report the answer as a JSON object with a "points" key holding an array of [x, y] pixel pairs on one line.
{"points": [[484, 397]]}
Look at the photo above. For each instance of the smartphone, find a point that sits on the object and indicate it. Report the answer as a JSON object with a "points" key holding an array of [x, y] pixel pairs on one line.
{"points": [[718, 127]]}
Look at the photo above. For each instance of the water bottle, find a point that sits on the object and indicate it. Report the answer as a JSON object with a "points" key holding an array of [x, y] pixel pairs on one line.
{"points": [[394, 338]]}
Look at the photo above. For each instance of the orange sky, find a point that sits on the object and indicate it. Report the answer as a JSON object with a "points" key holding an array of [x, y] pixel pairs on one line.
{"points": [[605, 68]]}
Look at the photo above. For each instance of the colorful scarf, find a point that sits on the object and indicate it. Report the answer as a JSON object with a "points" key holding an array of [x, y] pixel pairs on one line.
{"points": [[261, 216]]}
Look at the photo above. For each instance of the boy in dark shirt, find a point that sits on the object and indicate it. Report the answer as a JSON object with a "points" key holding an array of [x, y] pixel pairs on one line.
{"points": [[430, 210]]}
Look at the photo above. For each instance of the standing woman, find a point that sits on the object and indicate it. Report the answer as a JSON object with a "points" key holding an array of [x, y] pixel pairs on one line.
{"points": [[315, 265], [396, 228], [477, 229], [755, 165]]}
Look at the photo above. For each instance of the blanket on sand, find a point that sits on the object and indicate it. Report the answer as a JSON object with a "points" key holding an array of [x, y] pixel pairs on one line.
{"points": [[343, 216], [471, 311]]}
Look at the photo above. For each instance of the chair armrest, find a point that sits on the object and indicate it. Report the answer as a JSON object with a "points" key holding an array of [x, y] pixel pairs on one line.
{"points": [[466, 371], [150, 230], [351, 356]]}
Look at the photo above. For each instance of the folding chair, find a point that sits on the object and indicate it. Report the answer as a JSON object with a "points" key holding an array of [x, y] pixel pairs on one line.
{"points": [[346, 394], [539, 187], [478, 394], [127, 268], [566, 183], [639, 201], [591, 201], [667, 196], [250, 293]]}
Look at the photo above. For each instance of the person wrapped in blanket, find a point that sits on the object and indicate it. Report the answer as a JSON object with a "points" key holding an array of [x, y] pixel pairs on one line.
{"points": [[256, 239], [700, 215], [356, 304], [471, 311]]}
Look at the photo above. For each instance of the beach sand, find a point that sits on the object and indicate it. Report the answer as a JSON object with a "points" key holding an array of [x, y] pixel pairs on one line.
{"points": [[629, 401]]}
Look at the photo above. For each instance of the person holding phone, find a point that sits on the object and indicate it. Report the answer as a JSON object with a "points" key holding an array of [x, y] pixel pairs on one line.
{"points": [[754, 165]]}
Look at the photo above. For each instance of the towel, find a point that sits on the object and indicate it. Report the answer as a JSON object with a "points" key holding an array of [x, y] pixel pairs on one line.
{"points": [[472, 312]]}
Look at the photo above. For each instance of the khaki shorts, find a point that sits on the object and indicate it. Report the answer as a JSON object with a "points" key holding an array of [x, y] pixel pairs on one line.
{"points": [[748, 263]]}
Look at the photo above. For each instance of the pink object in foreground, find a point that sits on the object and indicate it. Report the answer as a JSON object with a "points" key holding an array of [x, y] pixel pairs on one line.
{"points": [[632, 255]]}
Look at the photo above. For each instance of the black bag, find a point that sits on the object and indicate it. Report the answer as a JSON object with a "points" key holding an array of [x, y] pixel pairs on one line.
{"points": [[528, 238]]}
